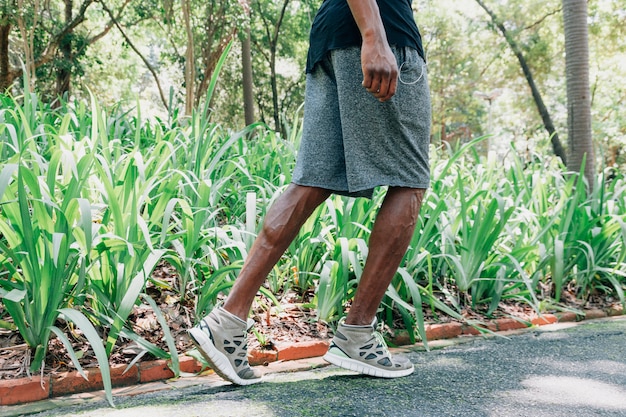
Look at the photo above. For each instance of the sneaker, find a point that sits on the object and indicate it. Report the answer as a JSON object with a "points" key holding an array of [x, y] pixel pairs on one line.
{"points": [[362, 349], [222, 338]]}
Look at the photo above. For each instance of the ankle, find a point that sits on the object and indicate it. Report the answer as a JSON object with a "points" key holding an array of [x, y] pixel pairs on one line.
{"points": [[359, 321], [236, 312]]}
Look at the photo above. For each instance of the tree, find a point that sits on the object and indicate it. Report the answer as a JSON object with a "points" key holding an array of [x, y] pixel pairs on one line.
{"points": [[246, 66], [456, 67], [115, 20], [64, 73], [578, 92], [541, 107], [279, 33], [221, 20], [51, 40], [6, 25], [272, 25], [207, 29], [190, 59], [43, 31]]}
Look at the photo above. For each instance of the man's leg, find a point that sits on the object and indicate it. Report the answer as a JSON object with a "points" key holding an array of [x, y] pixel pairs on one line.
{"points": [[222, 336], [391, 235], [282, 223], [357, 345]]}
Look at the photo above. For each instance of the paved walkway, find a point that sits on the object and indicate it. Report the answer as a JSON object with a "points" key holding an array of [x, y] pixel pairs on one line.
{"points": [[561, 370]]}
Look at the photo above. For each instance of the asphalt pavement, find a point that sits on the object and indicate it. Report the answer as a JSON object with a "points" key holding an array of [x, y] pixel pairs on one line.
{"points": [[561, 370]]}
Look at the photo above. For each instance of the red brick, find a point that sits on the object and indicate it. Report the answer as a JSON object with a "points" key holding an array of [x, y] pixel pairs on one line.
{"points": [[510, 324], [615, 311], [443, 331], [566, 316], [401, 338], [594, 314], [154, 371], [262, 356], [466, 329], [490, 325], [120, 377], [189, 364], [544, 319], [302, 350], [72, 382], [24, 390]]}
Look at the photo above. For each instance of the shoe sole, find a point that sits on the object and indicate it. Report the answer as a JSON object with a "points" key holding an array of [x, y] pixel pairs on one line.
{"points": [[218, 361], [364, 368]]}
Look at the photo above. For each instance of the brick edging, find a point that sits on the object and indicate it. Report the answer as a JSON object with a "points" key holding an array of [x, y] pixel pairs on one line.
{"points": [[37, 388], [24, 390]]}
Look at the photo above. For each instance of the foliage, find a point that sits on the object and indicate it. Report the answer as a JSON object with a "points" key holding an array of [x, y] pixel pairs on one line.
{"points": [[455, 35]]}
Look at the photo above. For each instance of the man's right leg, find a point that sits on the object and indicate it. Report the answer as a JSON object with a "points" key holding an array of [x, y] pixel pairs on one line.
{"points": [[281, 225], [221, 337]]}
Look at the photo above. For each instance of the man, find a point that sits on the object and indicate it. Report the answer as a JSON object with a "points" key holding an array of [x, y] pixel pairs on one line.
{"points": [[366, 124]]}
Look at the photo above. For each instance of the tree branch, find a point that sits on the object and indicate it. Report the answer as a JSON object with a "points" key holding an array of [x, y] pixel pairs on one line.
{"points": [[48, 53], [540, 21], [541, 107], [108, 26], [134, 48]]}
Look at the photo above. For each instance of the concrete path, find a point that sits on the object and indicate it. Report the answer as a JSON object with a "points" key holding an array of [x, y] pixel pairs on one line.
{"points": [[562, 370]]}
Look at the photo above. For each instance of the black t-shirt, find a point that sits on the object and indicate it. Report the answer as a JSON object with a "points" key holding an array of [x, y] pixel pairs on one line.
{"points": [[334, 28]]}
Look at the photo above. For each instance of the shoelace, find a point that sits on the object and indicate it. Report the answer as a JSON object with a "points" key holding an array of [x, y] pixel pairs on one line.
{"points": [[381, 341]]}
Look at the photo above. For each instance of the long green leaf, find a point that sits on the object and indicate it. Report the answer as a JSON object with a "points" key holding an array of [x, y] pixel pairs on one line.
{"points": [[96, 343]]}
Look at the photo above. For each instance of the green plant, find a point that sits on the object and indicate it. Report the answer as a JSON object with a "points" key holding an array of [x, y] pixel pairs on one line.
{"points": [[41, 258]]}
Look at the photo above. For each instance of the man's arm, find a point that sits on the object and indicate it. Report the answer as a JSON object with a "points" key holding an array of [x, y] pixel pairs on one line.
{"points": [[380, 70]]}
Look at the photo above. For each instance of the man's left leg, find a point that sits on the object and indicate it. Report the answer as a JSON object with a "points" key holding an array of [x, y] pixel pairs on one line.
{"points": [[222, 336], [357, 345]]}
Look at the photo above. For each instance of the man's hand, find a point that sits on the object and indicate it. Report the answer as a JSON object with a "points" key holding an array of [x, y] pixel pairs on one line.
{"points": [[380, 70]]}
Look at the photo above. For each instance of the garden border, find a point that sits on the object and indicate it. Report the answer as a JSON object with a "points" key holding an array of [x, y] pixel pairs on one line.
{"points": [[37, 388]]}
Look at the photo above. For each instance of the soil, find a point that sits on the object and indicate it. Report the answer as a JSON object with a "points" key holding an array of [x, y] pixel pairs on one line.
{"points": [[290, 321]]}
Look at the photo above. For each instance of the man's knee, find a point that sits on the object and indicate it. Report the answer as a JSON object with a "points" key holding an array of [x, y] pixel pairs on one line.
{"points": [[290, 210], [408, 199]]}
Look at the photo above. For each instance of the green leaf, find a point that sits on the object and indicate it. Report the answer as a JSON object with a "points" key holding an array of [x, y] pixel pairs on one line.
{"points": [[96, 343], [70, 350], [15, 295], [5, 177], [171, 343]]}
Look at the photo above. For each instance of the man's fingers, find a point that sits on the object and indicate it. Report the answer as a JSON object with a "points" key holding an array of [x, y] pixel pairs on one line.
{"points": [[367, 79], [375, 87], [383, 87], [391, 91]]}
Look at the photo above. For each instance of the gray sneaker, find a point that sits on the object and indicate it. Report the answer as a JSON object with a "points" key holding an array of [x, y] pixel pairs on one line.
{"points": [[362, 349], [222, 338]]}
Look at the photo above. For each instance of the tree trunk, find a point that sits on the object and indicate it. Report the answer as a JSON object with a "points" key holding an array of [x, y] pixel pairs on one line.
{"points": [[246, 65], [578, 92], [190, 65], [6, 79], [28, 40], [274, 84], [272, 39], [248, 86], [64, 74], [557, 147]]}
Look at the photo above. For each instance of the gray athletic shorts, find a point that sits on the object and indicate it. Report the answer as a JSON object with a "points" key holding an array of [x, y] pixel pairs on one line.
{"points": [[351, 142]]}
